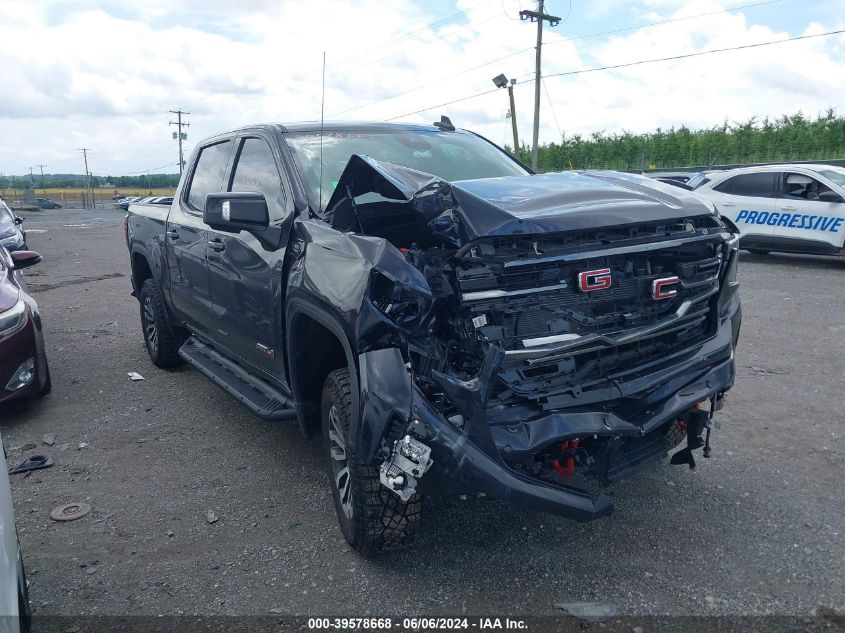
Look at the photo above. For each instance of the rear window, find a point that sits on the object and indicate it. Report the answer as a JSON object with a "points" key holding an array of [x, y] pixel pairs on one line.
{"points": [[209, 172], [760, 185]]}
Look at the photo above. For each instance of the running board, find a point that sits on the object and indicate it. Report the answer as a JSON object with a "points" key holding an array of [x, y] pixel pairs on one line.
{"points": [[260, 397]]}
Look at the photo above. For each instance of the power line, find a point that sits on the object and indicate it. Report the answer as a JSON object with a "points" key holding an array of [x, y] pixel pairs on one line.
{"points": [[645, 61], [436, 81], [347, 61], [146, 171], [560, 41], [661, 22], [698, 54], [552, 108], [440, 105]]}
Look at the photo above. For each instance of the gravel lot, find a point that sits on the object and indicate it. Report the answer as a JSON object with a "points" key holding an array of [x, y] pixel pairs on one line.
{"points": [[757, 529]]}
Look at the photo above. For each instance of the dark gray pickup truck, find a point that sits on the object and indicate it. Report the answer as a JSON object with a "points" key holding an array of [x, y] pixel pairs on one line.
{"points": [[447, 320]]}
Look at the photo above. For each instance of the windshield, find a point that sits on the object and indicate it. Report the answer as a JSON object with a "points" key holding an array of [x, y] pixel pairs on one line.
{"points": [[836, 176], [699, 179], [449, 155]]}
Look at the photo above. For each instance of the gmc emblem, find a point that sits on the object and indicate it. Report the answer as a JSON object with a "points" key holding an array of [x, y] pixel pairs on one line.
{"points": [[662, 288], [594, 280]]}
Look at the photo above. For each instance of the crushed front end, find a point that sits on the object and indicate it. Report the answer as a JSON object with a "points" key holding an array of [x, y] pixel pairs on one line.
{"points": [[545, 366]]}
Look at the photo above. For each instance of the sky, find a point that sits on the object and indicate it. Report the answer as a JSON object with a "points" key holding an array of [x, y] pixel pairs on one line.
{"points": [[103, 74]]}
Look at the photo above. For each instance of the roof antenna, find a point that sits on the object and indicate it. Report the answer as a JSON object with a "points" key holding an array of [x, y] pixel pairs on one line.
{"points": [[444, 124], [322, 112]]}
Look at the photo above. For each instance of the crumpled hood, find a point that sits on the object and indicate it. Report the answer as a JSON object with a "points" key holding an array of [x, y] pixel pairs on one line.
{"points": [[466, 210]]}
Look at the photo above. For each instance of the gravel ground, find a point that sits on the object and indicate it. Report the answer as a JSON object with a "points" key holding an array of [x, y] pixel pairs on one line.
{"points": [[757, 529]]}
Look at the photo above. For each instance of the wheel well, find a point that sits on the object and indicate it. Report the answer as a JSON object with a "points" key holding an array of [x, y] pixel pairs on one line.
{"points": [[315, 351], [140, 269]]}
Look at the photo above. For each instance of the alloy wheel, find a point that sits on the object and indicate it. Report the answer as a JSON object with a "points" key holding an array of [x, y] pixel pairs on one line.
{"points": [[340, 464], [150, 325]]}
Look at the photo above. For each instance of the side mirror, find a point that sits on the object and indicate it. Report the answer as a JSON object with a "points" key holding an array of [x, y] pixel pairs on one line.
{"points": [[25, 259], [18, 220], [235, 211], [829, 196]]}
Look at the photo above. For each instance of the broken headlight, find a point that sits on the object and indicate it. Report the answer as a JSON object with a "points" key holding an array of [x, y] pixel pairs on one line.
{"points": [[407, 307]]}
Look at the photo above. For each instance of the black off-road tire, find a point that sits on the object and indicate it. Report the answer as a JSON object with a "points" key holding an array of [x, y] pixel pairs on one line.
{"points": [[675, 435], [377, 518], [159, 337]]}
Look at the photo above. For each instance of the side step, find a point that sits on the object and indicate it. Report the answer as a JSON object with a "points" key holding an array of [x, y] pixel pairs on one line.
{"points": [[263, 399]]}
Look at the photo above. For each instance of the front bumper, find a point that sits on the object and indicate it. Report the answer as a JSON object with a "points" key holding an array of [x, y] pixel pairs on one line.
{"points": [[15, 349], [484, 454]]}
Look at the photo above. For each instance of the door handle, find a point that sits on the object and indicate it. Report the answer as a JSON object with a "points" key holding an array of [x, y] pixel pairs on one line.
{"points": [[217, 245], [729, 204], [789, 208], [173, 235]]}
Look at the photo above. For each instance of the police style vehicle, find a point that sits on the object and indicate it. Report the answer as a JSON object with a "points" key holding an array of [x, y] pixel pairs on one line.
{"points": [[789, 208]]}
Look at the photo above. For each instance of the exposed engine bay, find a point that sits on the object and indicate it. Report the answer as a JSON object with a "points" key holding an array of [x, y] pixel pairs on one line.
{"points": [[548, 342]]}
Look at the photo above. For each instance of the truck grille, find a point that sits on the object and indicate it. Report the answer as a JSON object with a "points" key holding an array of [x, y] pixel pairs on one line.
{"points": [[535, 302]]}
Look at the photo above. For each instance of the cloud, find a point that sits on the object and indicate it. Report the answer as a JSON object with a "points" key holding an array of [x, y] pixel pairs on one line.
{"points": [[103, 74]]}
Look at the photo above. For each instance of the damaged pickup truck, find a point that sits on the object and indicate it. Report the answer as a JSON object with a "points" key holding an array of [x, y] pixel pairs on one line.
{"points": [[447, 320]]}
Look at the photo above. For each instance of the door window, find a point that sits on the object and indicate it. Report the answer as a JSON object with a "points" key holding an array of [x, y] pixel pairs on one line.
{"points": [[208, 174], [256, 171], [801, 187], [759, 185]]}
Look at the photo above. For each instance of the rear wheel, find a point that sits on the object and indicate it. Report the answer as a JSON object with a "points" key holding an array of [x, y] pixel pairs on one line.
{"points": [[371, 517], [162, 342]]}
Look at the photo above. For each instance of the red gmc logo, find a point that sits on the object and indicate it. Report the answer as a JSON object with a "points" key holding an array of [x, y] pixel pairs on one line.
{"points": [[594, 280], [665, 288]]}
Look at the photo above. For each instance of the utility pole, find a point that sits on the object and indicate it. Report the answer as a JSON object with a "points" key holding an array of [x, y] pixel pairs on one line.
{"points": [[179, 134], [31, 178], [43, 188], [539, 17], [88, 190], [501, 81], [513, 118]]}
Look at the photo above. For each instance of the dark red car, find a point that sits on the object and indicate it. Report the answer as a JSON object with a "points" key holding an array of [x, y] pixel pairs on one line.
{"points": [[23, 361]]}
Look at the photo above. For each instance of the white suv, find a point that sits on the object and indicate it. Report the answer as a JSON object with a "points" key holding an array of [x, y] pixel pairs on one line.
{"points": [[790, 208]]}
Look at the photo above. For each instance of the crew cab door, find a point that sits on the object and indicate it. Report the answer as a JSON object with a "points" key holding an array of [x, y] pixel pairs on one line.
{"points": [[246, 269], [186, 238], [811, 212], [749, 201]]}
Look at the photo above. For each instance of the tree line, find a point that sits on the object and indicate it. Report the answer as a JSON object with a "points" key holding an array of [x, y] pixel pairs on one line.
{"points": [[793, 137], [62, 181]]}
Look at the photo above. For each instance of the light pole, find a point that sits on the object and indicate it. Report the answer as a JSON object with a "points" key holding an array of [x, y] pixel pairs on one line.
{"points": [[501, 81]]}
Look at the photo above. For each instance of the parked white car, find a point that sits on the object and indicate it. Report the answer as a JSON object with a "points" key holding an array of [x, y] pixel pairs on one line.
{"points": [[14, 599], [788, 208]]}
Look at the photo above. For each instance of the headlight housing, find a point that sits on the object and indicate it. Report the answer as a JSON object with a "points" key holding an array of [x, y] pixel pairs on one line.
{"points": [[405, 306], [12, 319], [14, 240]]}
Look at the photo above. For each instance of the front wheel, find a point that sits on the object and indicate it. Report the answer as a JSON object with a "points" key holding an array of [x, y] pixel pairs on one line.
{"points": [[372, 518], [162, 342]]}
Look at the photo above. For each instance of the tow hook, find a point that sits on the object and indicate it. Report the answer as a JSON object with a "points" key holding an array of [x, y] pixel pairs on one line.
{"points": [[408, 462]]}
